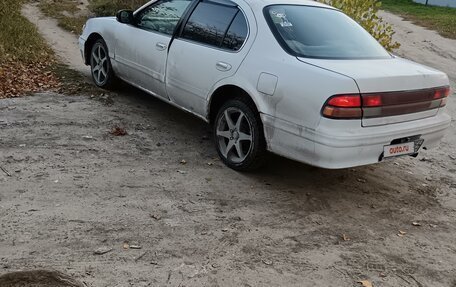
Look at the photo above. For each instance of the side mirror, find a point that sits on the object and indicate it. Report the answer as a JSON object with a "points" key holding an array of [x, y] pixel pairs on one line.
{"points": [[125, 16]]}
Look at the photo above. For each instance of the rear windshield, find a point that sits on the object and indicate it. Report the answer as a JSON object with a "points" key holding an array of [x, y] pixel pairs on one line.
{"points": [[316, 32]]}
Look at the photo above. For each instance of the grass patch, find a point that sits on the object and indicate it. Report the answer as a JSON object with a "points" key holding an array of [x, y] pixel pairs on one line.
{"points": [[441, 19], [111, 7], [72, 82], [68, 13], [71, 17], [19, 39], [25, 58]]}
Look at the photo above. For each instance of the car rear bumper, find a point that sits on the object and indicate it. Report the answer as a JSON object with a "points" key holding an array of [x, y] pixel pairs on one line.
{"points": [[341, 144]]}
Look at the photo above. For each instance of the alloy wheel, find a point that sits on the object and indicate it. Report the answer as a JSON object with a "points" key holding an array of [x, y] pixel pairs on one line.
{"points": [[234, 135], [100, 67]]}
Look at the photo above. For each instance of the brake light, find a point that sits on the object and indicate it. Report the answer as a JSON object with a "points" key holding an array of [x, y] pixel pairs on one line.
{"points": [[343, 107], [443, 94], [372, 101], [345, 101]]}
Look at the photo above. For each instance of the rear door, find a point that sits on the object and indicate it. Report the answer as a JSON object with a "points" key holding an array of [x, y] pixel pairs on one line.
{"points": [[210, 47], [142, 49]]}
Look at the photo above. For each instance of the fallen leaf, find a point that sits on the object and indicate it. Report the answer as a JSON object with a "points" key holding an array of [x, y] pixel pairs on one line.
{"points": [[126, 245], [416, 223], [366, 283], [183, 161], [401, 233], [118, 131], [345, 237]]}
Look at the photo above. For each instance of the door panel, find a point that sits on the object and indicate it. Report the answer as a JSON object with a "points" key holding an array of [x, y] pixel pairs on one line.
{"points": [[142, 49], [208, 51]]}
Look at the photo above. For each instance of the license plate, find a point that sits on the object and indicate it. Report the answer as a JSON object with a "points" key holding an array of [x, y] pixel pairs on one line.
{"points": [[399, 149]]}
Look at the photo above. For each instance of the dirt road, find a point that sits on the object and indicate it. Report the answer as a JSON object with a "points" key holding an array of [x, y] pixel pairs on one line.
{"points": [[70, 189]]}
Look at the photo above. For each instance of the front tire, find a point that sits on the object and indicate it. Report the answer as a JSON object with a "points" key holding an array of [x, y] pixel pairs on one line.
{"points": [[100, 66], [238, 135]]}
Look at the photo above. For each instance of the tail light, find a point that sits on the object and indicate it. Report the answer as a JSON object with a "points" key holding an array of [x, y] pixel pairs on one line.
{"points": [[372, 105], [442, 94], [343, 107]]}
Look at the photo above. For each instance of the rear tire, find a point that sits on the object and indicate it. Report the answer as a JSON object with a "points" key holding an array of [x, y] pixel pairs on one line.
{"points": [[100, 66], [239, 136]]}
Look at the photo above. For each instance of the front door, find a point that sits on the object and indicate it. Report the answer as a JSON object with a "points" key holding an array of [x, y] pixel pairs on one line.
{"points": [[142, 48]]}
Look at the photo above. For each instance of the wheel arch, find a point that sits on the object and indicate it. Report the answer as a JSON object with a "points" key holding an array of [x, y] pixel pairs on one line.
{"points": [[225, 93], [88, 46]]}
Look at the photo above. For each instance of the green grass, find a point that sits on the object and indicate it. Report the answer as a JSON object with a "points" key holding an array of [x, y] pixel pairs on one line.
{"points": [[110, 7], [67, 12], [441, 19], [19, 39]]}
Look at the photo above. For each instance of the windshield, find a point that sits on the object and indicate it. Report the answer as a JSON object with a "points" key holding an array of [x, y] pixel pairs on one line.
{"points": [[316, 32]]}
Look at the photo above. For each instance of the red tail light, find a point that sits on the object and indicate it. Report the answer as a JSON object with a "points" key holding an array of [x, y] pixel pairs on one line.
{"points": [[343, 107], [372, 105], [443, 94], [372, 101], [345, 101]]}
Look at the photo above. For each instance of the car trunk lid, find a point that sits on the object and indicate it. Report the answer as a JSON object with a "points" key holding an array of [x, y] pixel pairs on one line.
{"points": [[406, 90]]}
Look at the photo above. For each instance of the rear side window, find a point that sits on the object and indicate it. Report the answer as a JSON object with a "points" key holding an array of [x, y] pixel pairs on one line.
{"points": [[217, 25], [236, 34]]}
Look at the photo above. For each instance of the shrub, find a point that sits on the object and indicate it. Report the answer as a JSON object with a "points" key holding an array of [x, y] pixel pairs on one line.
{"points": [[365, 13]]}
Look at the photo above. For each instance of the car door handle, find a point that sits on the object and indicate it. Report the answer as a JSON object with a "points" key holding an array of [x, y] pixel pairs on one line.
{"points": [[222, 66], [160, 46]]}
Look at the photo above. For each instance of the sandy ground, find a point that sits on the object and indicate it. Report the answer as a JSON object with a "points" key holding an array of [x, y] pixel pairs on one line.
{"points": [[64, 44], [75, 190]]}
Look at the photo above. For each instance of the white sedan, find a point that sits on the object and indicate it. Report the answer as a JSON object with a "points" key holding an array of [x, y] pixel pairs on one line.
{"points": [[294, 77]]}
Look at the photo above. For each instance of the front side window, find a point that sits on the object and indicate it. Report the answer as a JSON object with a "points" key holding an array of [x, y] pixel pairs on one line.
{"points": [[217, 25], [163, 16], [315, 32]]}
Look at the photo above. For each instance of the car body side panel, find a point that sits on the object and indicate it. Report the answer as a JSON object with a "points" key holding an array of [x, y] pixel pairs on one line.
{"points": [[142, 62]]}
